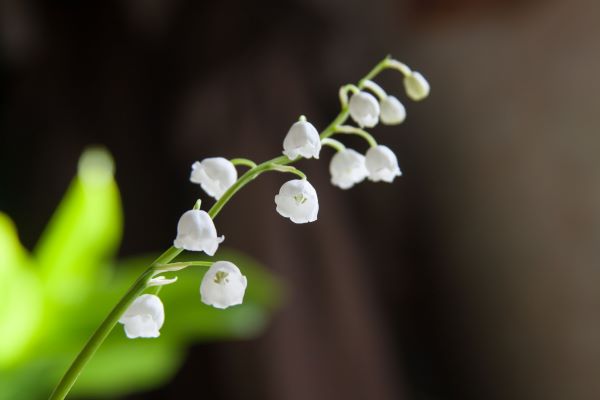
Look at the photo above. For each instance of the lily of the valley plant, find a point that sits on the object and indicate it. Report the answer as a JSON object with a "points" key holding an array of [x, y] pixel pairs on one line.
{"points": [[366, 104]]}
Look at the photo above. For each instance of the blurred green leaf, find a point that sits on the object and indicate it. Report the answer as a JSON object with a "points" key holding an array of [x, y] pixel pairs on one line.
{"points": [[20, 296], [51, 303], [123, 366], [84, 231]]}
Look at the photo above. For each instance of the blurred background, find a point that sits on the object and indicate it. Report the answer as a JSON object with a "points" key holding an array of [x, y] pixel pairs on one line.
{"points": [[474, 276]]}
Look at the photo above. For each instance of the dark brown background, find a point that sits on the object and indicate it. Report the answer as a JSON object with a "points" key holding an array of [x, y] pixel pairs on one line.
{"points": [[474, 276]]}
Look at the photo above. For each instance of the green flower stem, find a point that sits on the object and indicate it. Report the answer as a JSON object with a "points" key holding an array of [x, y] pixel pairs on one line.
{"points": [[398, 66], [352, 130], [243, 161], [243, 181], [290, 169], [67, 381], [375, 88], [343, 94], [386, 63], [178, 266], [65, 384], [337, 145]]}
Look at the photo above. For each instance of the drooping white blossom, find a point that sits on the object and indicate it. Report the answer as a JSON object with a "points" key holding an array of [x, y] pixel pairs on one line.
{"points": [[215, 175], [382, 164], [196, 232], [347, 167], [297, 200], [223, 285], [392, 111], [302, 140], [416, 86], [144, 317], [364, 109]]}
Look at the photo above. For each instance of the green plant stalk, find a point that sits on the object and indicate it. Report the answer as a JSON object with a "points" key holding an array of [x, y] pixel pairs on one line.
{"points": [[92, 345]]}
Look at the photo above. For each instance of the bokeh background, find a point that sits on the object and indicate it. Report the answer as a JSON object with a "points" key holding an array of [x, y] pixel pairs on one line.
{"points": [[474, 276]]}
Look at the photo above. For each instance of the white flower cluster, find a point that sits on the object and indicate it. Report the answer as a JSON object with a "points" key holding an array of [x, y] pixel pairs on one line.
{"points": [[223, 284], [347, 166]]}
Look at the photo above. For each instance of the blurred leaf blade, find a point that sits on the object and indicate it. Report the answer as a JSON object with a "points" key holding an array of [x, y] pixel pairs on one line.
{"points": [[84, 231], [58, 297], [123, 366], [20, 296]]}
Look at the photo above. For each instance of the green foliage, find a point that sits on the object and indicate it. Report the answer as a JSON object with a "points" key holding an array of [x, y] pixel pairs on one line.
{"points": [[52, 300]]}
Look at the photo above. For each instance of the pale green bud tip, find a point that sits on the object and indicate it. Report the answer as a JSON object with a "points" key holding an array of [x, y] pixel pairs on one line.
{"points": [[416, 86], [96, 166], [197, 204]]}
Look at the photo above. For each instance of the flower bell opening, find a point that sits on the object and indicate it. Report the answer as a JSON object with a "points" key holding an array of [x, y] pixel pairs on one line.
{"points": [[297, 200], [223, 285]]}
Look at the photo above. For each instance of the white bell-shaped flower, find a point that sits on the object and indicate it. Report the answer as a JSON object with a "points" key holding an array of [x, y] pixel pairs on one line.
{"points": [[302, 140], [196, 232], [297, 200], [215, 175], [392, 111], [382, 164], [223, 285], [364, 109], [347, 168], [144, 317], [416, 86]]}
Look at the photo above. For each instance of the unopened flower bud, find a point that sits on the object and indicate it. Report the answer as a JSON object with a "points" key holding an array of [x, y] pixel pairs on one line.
{"points": [[297, 200], [364, 109], [302, 140], [215, 175], [416, 86], [347, 168], [223, 285], [196, 232], [144, 317], [382, 164], [392, 111]]}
